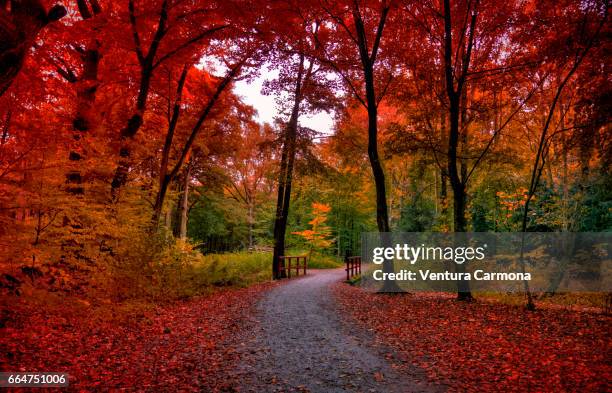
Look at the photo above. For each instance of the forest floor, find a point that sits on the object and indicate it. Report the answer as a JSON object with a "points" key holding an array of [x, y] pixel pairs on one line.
{"points": [[189, 345], [310, 334], [486, 346]]}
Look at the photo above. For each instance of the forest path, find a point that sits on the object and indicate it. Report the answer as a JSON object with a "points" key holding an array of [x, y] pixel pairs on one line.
{"points": [[301, 344]]}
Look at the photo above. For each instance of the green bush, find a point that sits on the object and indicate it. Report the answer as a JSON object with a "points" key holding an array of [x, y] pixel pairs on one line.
{"points": [[158, 267]]}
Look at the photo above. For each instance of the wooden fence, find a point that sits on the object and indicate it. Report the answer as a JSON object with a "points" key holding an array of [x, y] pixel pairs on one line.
{"points": [[288, 263], [353, 266]]}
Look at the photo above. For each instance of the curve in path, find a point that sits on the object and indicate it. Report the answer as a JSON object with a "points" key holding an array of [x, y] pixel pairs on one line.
{"points": [[301, 344]]}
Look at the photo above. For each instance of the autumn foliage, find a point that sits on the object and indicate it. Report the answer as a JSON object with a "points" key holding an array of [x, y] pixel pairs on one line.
{"points": [[133, 170]]}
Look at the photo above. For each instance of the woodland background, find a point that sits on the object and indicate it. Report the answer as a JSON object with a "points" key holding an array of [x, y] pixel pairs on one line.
{"points": [[129, 168]]}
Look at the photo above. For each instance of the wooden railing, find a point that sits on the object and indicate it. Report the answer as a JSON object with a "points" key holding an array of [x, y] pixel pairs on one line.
{"points": [[287, 263], [353, 266]]}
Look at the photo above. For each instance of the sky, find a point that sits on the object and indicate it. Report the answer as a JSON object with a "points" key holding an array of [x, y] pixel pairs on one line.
{"points": [[250, 91]]}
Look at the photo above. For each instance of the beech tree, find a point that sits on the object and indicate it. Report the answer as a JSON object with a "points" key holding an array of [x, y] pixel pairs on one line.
{"points": [[362, 27]]}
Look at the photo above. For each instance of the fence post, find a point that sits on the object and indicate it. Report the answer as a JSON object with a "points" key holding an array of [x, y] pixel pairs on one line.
{"points": [[346, 262], [353, 266]]}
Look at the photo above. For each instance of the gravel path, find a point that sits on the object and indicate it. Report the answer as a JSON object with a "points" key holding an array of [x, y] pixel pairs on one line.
{"points": [[302, 345]]}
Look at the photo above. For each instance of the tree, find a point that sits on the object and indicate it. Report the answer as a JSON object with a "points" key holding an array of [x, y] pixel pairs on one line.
{"points": [[473, 75], [248, 168], [165, 175], [585, 41], [318, 237], [300, 76], [363, 37], [20, 23], [151, 57]]}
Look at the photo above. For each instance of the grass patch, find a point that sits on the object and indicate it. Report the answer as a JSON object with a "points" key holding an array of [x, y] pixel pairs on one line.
{"points": [[232, 269], [355, 280], [578, 300], [318, 260]]}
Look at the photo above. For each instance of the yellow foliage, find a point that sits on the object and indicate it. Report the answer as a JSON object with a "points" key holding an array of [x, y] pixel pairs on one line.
{"points": [[319, 235]]}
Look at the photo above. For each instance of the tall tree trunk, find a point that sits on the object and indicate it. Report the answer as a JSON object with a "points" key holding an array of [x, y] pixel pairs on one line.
{"points": [[251, 219], [284, 189], [382, 213], [176, 211], [168, 218], [283, 199], [454, 101], [85, 118], [443, 176], [164, 177], [443, 198], [185, 203], [459, 194], [368, 60]]}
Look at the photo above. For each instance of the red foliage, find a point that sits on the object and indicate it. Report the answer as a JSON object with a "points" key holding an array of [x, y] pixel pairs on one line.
{"points": [[187, 346], [488, 347]]}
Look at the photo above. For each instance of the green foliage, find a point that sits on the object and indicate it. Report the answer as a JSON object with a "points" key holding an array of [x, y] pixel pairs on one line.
{"points": [[235, 269], [577, 300], [354, 281], [596, 209], [547, 211], [417, 215], [322, 261], [160, 268], [482, 210], [218, 223], [352, 209], [318, 260]]}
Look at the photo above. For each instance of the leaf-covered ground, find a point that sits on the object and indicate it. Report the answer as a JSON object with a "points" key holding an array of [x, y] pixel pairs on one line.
{"points": [[488, 347], [187, 346]]}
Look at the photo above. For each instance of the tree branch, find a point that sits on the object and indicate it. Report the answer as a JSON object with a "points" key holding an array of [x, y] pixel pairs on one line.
{"points": [[135, 35], [188, 43]]}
